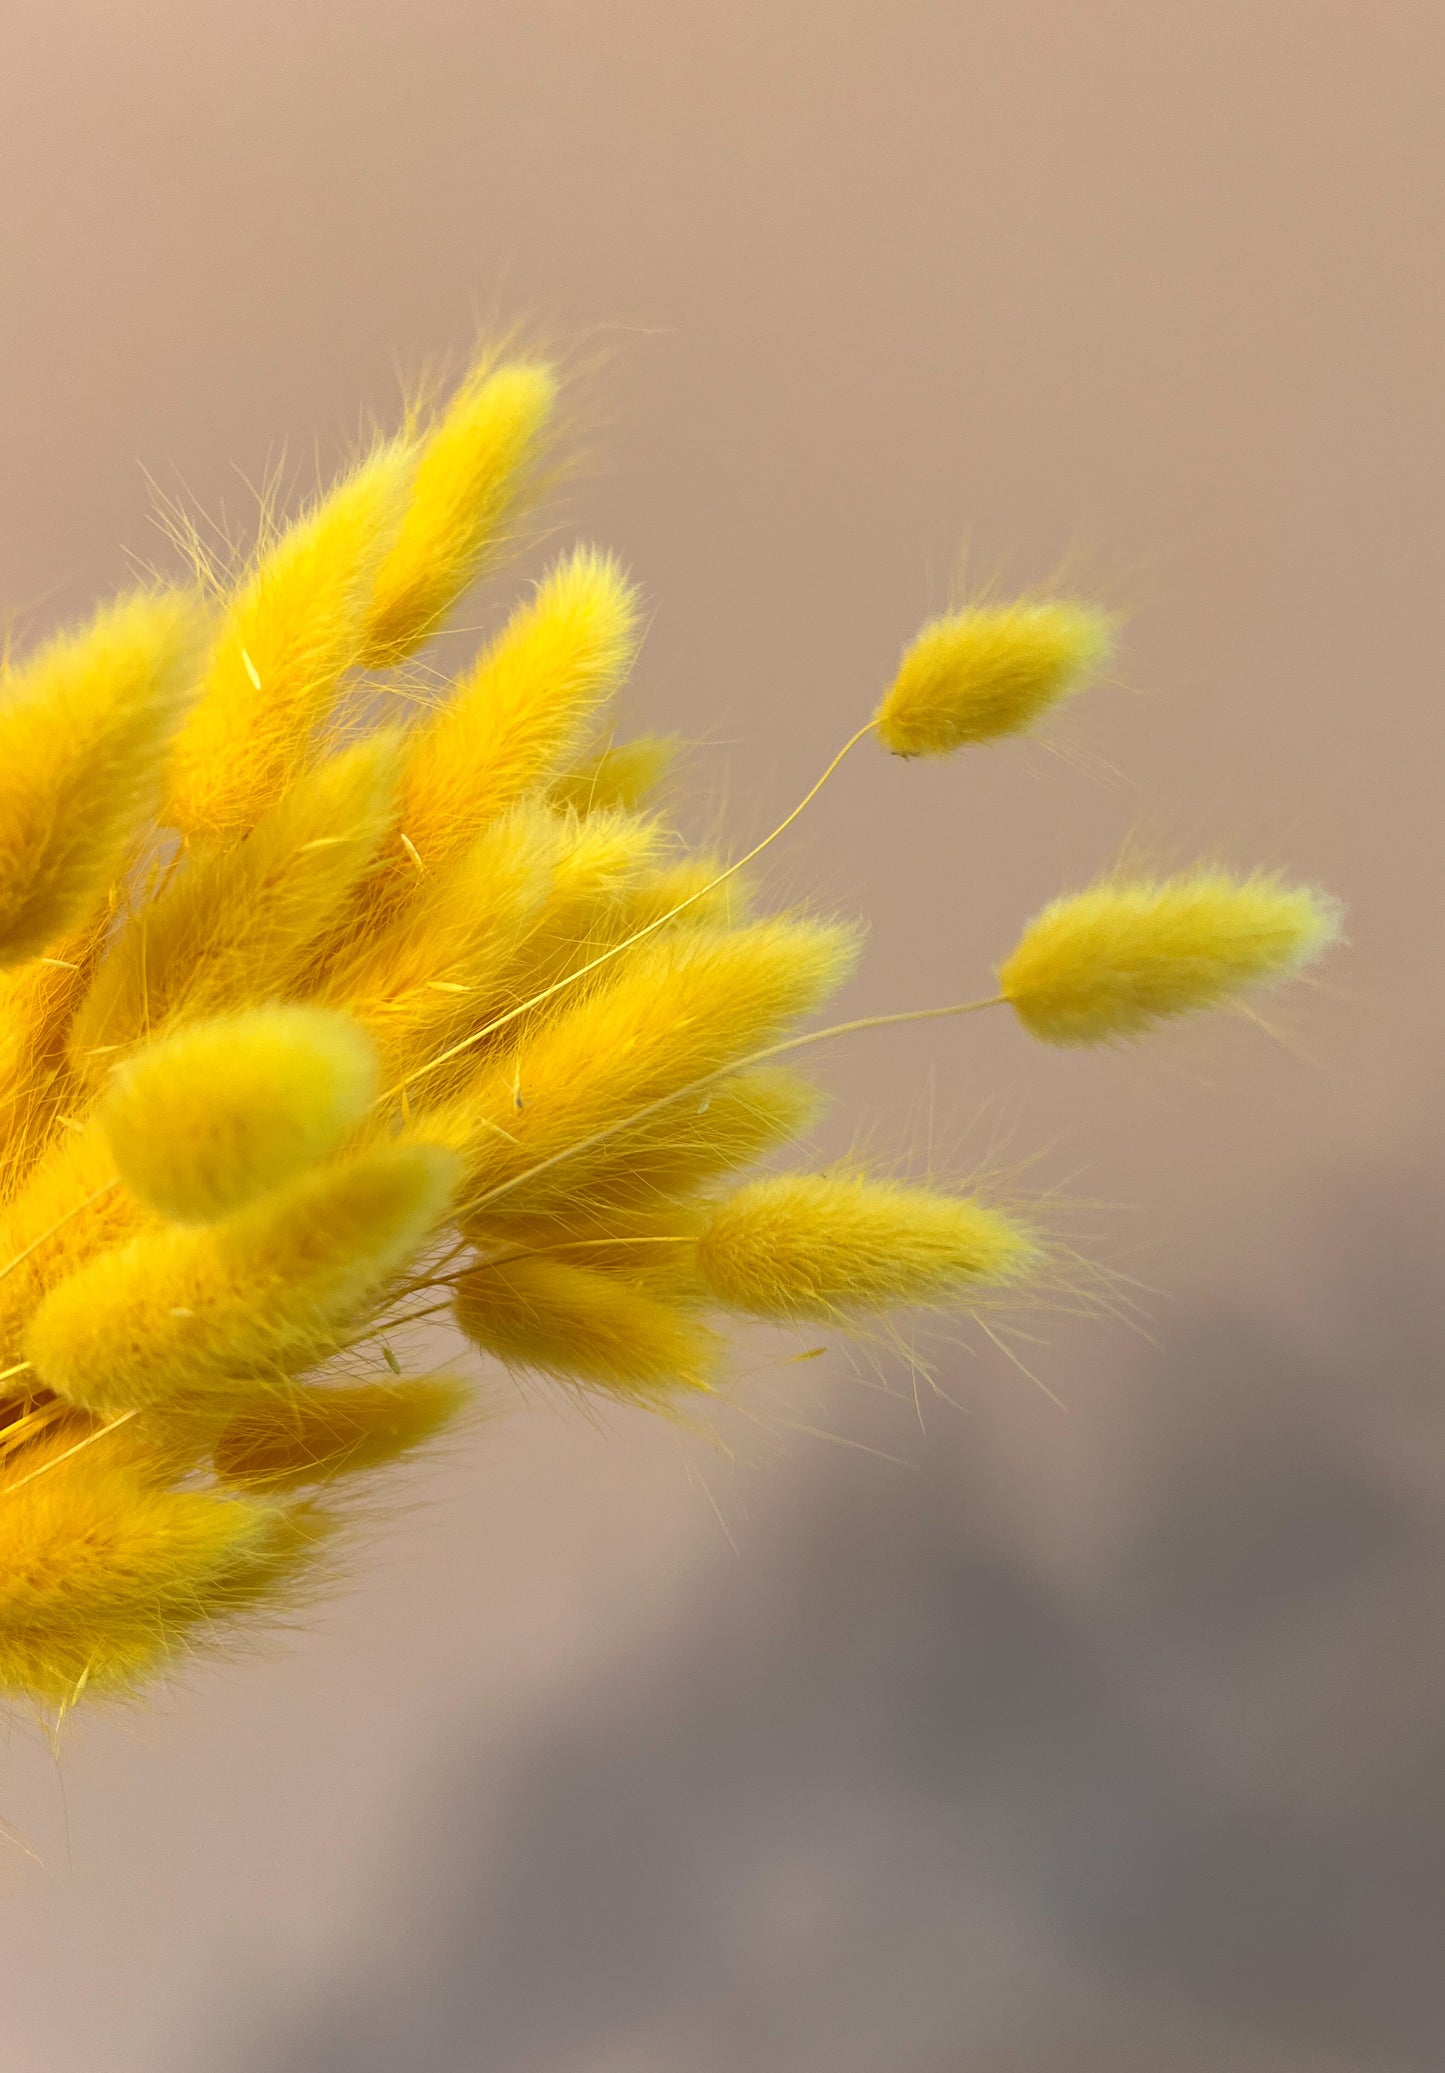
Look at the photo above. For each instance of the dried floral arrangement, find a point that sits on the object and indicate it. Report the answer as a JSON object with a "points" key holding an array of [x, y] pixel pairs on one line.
{"points": [[314, 1028]]}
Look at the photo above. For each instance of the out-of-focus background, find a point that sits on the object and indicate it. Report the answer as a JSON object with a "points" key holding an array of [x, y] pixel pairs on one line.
{"points": [[970, 1732]]}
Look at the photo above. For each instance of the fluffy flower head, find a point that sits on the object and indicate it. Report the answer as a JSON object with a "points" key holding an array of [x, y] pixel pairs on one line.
{"points": [[314, 1031]]}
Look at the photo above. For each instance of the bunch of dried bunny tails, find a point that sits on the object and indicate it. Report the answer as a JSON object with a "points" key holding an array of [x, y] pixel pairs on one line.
{"points": [[312, 1028]]}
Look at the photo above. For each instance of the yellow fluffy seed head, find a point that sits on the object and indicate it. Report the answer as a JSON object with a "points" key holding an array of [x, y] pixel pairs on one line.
{"points": [[472, 469], [682, 1006], [442, 963], [992, 670], [70, 1208], [623, 776], [83, 729], [825, 1245], [315, 1435], [1131, 952], [523, 706], [205, 1120], [103, 1574], [551, 1317], [721, 1129], [190, 1321], [236, 925], [37, 1003], [291, 634]]}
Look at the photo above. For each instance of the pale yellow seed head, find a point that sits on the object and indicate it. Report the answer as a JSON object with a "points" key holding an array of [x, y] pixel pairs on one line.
{"points": [[293, 630], [207, 1119], [191, 1321], [445, 960], [473, 468], [84, 725], [234, 926], [103, 1575], [624, 775], [315, 1435], [523, 706], [574, 1323], [992, 670], [827, 1245], [1131, 952], [681, 1006]]}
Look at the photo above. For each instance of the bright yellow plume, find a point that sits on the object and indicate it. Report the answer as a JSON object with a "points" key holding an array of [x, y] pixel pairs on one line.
{"points": [[202, 1122], [827, 1244], [552, 1317], [83, 728], [1131, 952], [992, 670], [473, 468], [292, 632], [340, 1008]]}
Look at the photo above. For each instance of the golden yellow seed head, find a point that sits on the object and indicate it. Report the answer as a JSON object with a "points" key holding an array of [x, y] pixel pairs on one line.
{"points": [[1114, 960], [552, 1317], [315, 1435], [203, 1121], [103, 1574], [829, 1244], [243, 886], [472, 469], [992, 670], [187, 1320], [84, 724]]}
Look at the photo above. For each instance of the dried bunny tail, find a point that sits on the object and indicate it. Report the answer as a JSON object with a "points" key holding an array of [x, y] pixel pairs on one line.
{"points": [[624, 776], [825, 1245], [71, 1207], [84, 726], [290, 635], [1131, 952], [602, 861], [104, 1575], [550, 1317], [316, 1435], [992, 670], [706, 1134], [188, 1322], [475, 465], [522, 707], [650, 1243], [679, 1007], [205, 1120], [233, 927], [38, 1002], [441, 964]]}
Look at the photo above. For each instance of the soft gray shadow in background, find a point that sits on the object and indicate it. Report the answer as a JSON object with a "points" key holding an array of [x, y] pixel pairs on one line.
{"points": [[918, 1809]]}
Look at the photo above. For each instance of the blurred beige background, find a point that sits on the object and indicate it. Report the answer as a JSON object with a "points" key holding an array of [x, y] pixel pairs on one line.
{"points": [[1105, 1738]]}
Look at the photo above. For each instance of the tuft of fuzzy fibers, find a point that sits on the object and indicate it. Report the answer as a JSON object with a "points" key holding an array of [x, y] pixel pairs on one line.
{"points": [[523, 707], [314, 1435], [182, 1319], [801, 1245], [103, 1575], [471, 473], [231, 927], [203, 1121], [337, 1008], [293, 630], [992, 670], [554, 1317], [1113, 961], [84, 726], [624, 775], [675, 1010]]}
